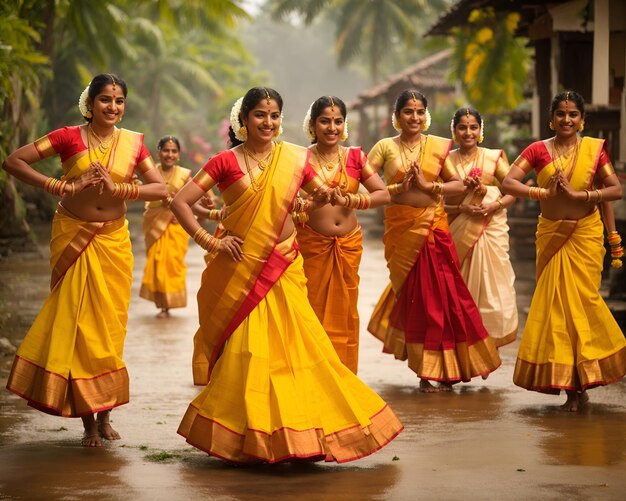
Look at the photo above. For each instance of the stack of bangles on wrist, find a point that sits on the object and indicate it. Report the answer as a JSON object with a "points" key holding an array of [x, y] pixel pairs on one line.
{"points": [[535, 193], [215, 215], [126, 191], [299, 217], [617, 251], [598, 197], [359, 201], [394, 189], [437, 188], [207, 241], [168, 201], [499, 200], [301, 205], [57, 187]]}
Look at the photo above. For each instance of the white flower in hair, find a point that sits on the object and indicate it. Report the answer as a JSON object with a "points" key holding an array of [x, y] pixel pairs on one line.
{"points": [[82, 102], [280, 129], [306, 124], [234, 119], [428, 120], [481, 138], [345, 134], [394, 122], [452, 129]]}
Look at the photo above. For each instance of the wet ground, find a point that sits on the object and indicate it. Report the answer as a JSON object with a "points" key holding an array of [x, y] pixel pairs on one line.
{"points": [[485, 440]]}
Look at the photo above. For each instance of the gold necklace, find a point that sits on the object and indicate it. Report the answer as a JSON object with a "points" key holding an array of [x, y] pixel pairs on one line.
{"points": [[99, 151], [262, 163], [323, 168], [468, 162], [167, 178], [407, 159], [104, 144], [253, 181], [558, 154]]}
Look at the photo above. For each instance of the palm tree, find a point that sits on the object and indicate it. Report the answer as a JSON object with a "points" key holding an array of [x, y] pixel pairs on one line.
{"points": [[372, 27]]}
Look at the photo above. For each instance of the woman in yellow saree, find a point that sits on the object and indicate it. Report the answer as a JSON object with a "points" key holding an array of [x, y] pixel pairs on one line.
{"points": [[571, 341], [330, 237], [426, 314], [70, 362], [479, 228], [166, 241], [275, 390]]}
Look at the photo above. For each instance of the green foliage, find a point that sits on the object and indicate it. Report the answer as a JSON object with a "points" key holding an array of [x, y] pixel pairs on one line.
{"points": [[492, 62]]}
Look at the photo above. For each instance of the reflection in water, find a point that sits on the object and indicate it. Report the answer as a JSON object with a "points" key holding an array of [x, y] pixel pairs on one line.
{"points": [[306, 481], [596, 436], [55, 470]]}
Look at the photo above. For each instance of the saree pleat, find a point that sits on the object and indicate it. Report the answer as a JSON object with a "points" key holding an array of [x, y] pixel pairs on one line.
{"points": [[280, 392], [331, 265], [70, 362], [571, 340], [427, 314]]}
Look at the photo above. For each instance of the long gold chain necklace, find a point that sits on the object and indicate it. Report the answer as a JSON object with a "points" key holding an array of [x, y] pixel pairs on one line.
{"points": [[469, 160], [558, 154], [407, 159], [323, 165], [268, 158]]}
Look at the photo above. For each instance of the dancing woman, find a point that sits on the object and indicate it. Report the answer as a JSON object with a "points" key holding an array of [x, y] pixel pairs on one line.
{"points": [[276, 390], [330, 237], [571, 341], [166, 241], [426, 313], [70, 362], [478, 225]]}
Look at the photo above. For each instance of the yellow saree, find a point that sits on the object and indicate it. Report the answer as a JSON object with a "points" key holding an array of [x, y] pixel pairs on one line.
{"points": [[276, 390], [571, 340], [167, 242], [482, 243], [70, 362]]}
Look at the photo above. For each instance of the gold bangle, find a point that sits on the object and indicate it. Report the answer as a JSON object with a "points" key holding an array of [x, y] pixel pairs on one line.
{"points": [[499, 200], [599, 195], [587, 195]]}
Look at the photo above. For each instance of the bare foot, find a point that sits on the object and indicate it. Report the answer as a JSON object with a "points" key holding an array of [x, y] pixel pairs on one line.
{"points": [[104, 426], [164, 313], [574, 400], [445, 386], [427, 387], [91, 437]]}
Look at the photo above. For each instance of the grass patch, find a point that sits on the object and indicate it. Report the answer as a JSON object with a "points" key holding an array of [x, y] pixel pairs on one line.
{"points": [[160, 457]]}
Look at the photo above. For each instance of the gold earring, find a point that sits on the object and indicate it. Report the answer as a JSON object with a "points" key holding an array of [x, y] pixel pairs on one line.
{"points": [[481, 138], [89, 114], [551, 125], [344, 136], [243, 131], [119, 119], [582, 126]]}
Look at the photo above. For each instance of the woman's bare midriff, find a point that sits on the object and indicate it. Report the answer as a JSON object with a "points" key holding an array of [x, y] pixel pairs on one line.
{"points": [[333, 221], [89, 205], [561, 207], [414, 198]]}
